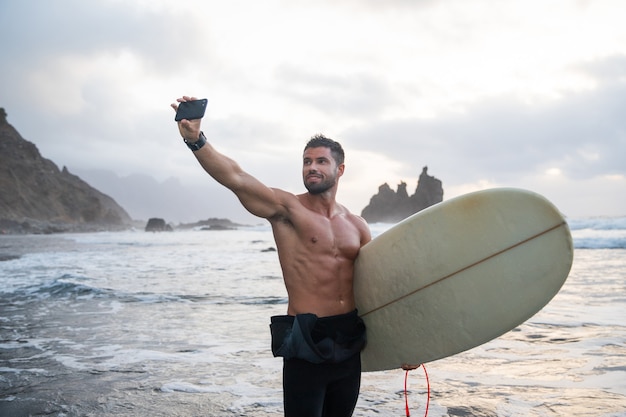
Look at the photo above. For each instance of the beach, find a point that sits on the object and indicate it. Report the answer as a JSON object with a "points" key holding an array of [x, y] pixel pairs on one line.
{"points": [[177, 324]]}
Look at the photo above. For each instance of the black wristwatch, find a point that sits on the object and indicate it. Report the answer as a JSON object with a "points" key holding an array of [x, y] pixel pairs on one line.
{"points": [[194, 146]]}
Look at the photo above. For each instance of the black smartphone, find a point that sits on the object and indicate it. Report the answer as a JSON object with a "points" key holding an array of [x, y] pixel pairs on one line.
{"points": [[191, 110]]}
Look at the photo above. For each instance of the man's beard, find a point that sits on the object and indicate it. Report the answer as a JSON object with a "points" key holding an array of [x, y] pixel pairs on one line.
{"points": [[320, 187]]}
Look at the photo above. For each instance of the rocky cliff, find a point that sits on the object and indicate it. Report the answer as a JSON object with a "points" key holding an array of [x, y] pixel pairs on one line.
{"points": [[37, 197], [390, 206]]}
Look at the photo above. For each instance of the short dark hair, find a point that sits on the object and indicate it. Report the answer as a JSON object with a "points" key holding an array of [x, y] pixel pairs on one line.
{"points": [[320, 140]]}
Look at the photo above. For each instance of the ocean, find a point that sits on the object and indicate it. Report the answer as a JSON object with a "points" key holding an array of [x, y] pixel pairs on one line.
{"points": [[177, 324]]}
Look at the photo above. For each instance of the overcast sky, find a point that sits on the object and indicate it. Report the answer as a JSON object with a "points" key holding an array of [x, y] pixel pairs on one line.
{"points": [[528, 94]]}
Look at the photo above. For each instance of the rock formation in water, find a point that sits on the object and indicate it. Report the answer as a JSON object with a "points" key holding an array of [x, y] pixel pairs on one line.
{"points": [[156, 224], [37, 197], [390, 206]]}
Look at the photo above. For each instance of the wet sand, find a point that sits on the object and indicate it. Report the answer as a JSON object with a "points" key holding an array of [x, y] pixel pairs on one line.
{"points": [[45, 387]]}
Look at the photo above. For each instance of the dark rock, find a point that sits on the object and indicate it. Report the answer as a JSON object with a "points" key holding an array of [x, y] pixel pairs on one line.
{"points": [[211, 224], [37, 197], [390, 206], [217, 227], [157, 225]]}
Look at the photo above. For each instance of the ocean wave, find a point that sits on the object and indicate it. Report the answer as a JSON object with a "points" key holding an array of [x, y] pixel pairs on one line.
{"points": [[597, 223], [261, 300], [56, 290], [8, 257], [221, 299], [599, 232], [61, 288], [599, 243]]}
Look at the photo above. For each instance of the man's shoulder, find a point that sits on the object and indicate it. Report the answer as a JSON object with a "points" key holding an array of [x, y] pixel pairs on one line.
{"points": [[360, 223], [351, 215]]}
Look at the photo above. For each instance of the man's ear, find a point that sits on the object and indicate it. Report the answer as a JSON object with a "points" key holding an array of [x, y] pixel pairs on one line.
{"points": [[340, 169]]}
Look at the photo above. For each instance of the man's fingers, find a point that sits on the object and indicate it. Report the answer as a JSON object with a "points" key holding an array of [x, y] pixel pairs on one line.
{"points": [[182, 100]]}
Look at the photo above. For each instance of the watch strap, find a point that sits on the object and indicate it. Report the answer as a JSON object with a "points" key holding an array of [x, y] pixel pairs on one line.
{"points": [[194, 146]]}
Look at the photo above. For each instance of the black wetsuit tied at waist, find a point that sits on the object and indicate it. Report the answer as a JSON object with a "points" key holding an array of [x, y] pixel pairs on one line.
{"points": [[315, 339]]}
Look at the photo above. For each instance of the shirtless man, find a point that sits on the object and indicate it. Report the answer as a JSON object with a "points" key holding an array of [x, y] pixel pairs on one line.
{"points": [[318, 240]]}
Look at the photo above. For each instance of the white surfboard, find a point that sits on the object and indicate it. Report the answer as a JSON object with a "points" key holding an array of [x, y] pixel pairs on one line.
{"points": [[458, 274]]}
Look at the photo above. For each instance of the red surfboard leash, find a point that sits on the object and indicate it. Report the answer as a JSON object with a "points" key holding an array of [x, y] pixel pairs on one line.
{"points": [[406, 396]]}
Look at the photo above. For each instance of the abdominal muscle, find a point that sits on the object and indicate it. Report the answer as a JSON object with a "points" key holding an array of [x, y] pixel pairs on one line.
{"points": [[324, 288]]}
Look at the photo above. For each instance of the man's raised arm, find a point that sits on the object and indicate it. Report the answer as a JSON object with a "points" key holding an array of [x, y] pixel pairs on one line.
{"points": [[255, 196]]}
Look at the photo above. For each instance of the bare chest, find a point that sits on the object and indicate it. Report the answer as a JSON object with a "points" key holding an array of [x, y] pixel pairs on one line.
{"points": [[335, 236]]}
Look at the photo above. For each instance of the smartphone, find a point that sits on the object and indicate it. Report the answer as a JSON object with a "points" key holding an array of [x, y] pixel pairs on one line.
{"points": [[191, 110]]}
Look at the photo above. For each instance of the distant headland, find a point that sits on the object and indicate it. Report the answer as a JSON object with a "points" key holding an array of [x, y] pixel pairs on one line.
{"points": [[39, 198]]}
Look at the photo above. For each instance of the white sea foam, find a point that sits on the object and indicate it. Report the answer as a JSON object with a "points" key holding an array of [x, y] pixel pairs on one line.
{"points": [[180, 386], [23, 370]]}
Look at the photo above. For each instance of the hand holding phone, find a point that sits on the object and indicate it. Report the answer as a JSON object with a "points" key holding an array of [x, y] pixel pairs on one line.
{"points": [[190, 110]]}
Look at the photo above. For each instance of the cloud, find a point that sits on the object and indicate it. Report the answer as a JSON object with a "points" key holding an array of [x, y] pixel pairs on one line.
{"points": [[582, 134], [485, 93]]}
